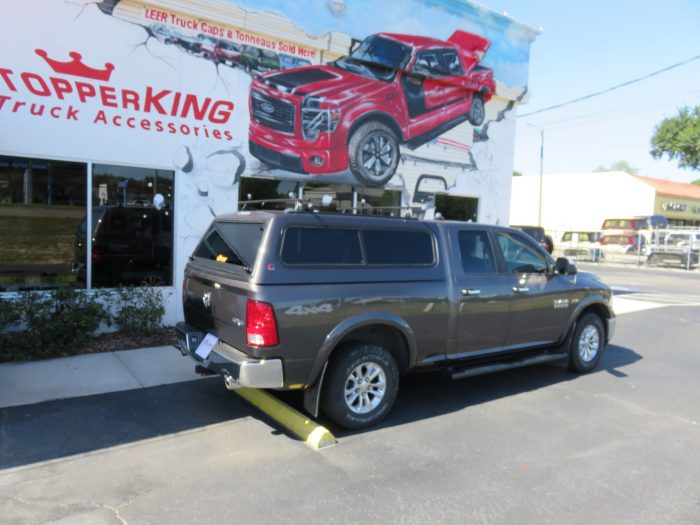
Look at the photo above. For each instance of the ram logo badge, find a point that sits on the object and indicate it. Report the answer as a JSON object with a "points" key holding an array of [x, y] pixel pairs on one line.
{"points": [[561, 303]]}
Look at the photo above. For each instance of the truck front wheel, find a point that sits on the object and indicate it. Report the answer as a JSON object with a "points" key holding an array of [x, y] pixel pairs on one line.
{"points": [[373, 153], [587, 343], [361, 386]]}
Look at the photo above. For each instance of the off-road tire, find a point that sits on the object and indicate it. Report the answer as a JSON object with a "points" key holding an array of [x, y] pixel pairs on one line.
{"points": [[588, 335], [373, 167], [340, 383]]}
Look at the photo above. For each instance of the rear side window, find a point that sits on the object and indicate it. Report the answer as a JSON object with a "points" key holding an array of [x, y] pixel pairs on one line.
{"points": [[398, 247], [231, 242], [321, 246], [475, 252]]}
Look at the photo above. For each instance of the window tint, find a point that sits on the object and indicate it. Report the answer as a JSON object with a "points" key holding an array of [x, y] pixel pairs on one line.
{"points": [[428, 63], [520, 254], [398, 247], [475, 251], [244, 239], [321, 246]]}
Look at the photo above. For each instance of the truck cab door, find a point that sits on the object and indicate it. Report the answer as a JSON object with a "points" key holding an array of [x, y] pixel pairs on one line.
{"points": [[542, 301], [484, 294], [422, 86]]}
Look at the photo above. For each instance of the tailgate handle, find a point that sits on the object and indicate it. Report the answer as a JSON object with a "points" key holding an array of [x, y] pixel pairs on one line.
{"points": [[521, 289], [470, 291]]}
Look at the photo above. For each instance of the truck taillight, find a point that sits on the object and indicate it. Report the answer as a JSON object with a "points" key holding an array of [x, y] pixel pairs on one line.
{"points": [[260, 324]]}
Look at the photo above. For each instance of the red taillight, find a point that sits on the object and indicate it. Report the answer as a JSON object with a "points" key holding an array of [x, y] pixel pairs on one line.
{"points": [[96, 256], [260, 324]]}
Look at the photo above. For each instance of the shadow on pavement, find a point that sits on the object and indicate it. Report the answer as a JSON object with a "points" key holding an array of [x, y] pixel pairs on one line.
{"points": [[57, 429]]}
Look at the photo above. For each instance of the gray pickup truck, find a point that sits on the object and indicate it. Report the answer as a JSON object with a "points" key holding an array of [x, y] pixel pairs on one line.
{"points": [[341, 306]]}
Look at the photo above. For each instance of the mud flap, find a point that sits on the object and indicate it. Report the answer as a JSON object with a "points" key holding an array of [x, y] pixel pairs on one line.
{"points": [[312, 395]]}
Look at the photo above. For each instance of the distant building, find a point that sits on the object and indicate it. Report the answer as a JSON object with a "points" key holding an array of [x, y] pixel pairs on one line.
{"points": [[582, 201]]}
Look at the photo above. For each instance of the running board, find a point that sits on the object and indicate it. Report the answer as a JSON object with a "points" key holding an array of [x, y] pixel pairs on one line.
{"points": [[497, 366]]}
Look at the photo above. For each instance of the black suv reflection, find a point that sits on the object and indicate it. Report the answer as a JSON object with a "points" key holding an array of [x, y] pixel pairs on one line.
{"points": [[130, 245]]}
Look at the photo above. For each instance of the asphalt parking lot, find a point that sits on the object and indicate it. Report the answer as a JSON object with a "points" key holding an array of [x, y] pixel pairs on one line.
{"points": [[535, 445]]}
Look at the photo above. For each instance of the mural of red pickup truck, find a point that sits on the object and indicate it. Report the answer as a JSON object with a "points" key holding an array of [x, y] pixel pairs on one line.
{"points": [[352, 114]]}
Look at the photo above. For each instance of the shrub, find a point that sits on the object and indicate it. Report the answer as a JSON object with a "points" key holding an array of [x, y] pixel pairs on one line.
{"points": [[138, 309]]}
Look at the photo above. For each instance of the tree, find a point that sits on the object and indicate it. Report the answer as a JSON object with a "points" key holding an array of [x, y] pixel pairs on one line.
{"points": [[696, 182], [517, 174], [679, 138], [620, 165]]}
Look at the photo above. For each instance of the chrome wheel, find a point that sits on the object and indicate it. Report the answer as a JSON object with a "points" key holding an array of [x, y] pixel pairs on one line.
{"points": [[588, 343], [379, 155], [365, 388]]}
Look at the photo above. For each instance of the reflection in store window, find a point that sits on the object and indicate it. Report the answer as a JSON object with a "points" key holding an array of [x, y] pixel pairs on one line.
{"points": [[42, 203], [132, 227]]}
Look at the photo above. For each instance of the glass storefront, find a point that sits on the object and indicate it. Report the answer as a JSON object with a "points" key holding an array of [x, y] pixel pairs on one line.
{"points": [[44, 222]]}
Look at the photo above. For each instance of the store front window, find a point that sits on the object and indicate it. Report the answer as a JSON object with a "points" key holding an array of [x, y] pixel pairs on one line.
{"points": [[132, 226], [42, 204], [44, 222]]}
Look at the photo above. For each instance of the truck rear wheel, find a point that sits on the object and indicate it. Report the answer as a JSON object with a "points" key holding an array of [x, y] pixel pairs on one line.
{"points": [[373, 153], [587, 343], [477, 110], [361, 386]]}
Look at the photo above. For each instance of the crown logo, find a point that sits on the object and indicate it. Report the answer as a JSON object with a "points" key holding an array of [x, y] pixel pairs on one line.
{"points": [[75, 66]]}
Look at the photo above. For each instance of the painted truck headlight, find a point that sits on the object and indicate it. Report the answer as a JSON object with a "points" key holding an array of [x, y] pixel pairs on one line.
{"points": [[315, 119]]}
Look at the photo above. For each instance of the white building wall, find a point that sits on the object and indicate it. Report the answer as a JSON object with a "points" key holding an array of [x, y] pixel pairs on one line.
{"points": [[579, 201]]}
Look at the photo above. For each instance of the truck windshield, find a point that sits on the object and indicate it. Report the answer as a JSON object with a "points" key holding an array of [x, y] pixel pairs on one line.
{"points": [[377, 58]]}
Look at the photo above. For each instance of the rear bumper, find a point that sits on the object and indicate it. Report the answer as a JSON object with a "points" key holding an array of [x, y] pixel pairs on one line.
{"points": [[237, 368]]}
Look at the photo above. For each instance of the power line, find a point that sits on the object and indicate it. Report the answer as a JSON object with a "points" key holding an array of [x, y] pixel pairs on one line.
{"points": [[597, 93]]}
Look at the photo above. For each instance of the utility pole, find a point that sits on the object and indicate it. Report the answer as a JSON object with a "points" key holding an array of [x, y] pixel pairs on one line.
{"points": [[539, 205]]}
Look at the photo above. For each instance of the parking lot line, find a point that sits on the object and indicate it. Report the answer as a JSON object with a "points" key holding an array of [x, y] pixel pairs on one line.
{"points": [[313, 434]]}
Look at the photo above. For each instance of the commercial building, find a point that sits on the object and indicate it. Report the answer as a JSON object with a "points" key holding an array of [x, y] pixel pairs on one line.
{"points": [[582, 201], [126, 126]]}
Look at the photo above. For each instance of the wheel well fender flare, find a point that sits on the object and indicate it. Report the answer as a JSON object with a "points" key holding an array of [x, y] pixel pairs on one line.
{"points": [[597, 304], [379, 116]]}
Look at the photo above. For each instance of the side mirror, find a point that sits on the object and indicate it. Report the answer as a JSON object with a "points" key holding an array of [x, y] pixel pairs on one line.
{"points": [[562, 266]]}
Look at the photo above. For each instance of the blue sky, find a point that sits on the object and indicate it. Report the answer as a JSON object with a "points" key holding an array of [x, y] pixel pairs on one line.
{"points": [[588, 46]]}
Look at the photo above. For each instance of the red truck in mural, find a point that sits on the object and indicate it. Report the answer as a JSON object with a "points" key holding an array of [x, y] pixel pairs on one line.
{"points": [[354, 113]]}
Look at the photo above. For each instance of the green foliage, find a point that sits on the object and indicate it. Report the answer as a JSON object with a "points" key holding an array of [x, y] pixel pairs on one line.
{"points": [[679, 138], [696, 182], [620, 165], [138, 309], [56, 323], [517, 174], [62, 322]]}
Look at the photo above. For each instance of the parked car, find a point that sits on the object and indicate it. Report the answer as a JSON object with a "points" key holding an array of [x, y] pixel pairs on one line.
{"points": [[130, 245], [624, 225], [538, 233], [582, 245], [623, 243], [340, 306], [208, 45], [289, 61], [227, 53], [352, 114], [163, 33], [255, 59], [189, 43]]}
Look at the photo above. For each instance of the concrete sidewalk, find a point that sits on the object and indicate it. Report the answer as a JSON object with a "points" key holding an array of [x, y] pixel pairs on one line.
{"points": [[84, 375]]}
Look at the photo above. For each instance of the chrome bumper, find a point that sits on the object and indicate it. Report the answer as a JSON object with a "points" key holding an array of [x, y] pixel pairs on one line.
{"points": [[237, 368]]}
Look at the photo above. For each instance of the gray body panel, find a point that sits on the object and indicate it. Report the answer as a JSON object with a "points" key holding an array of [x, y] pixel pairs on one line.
{"points": [[423, 307]]}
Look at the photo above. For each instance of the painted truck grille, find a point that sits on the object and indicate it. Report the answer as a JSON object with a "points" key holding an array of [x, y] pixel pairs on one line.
{"points": [[275, 114]]}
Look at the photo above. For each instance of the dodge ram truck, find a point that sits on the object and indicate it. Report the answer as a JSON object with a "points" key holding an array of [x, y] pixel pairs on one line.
{"points": [[354, 113], [341, 306]]}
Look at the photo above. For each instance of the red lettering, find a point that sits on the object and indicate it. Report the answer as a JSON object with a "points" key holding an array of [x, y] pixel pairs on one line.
{"points": [[130, 122], [217, 134], [117, 120], [18, 105], [28, 79], [72, 113], [159, 126], [191, 103], [3, 99], [55, 112], [154, 100], [146, 124], [130, 98], [154, 14], [5, 74], [221, 111], [228, 135], [100, 117], [85, 90], [37, 109], [61, 86], [108, 96]]}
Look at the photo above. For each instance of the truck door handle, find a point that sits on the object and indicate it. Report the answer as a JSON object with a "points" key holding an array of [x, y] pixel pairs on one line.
{"points": [[470, 291], [521, 289]]}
